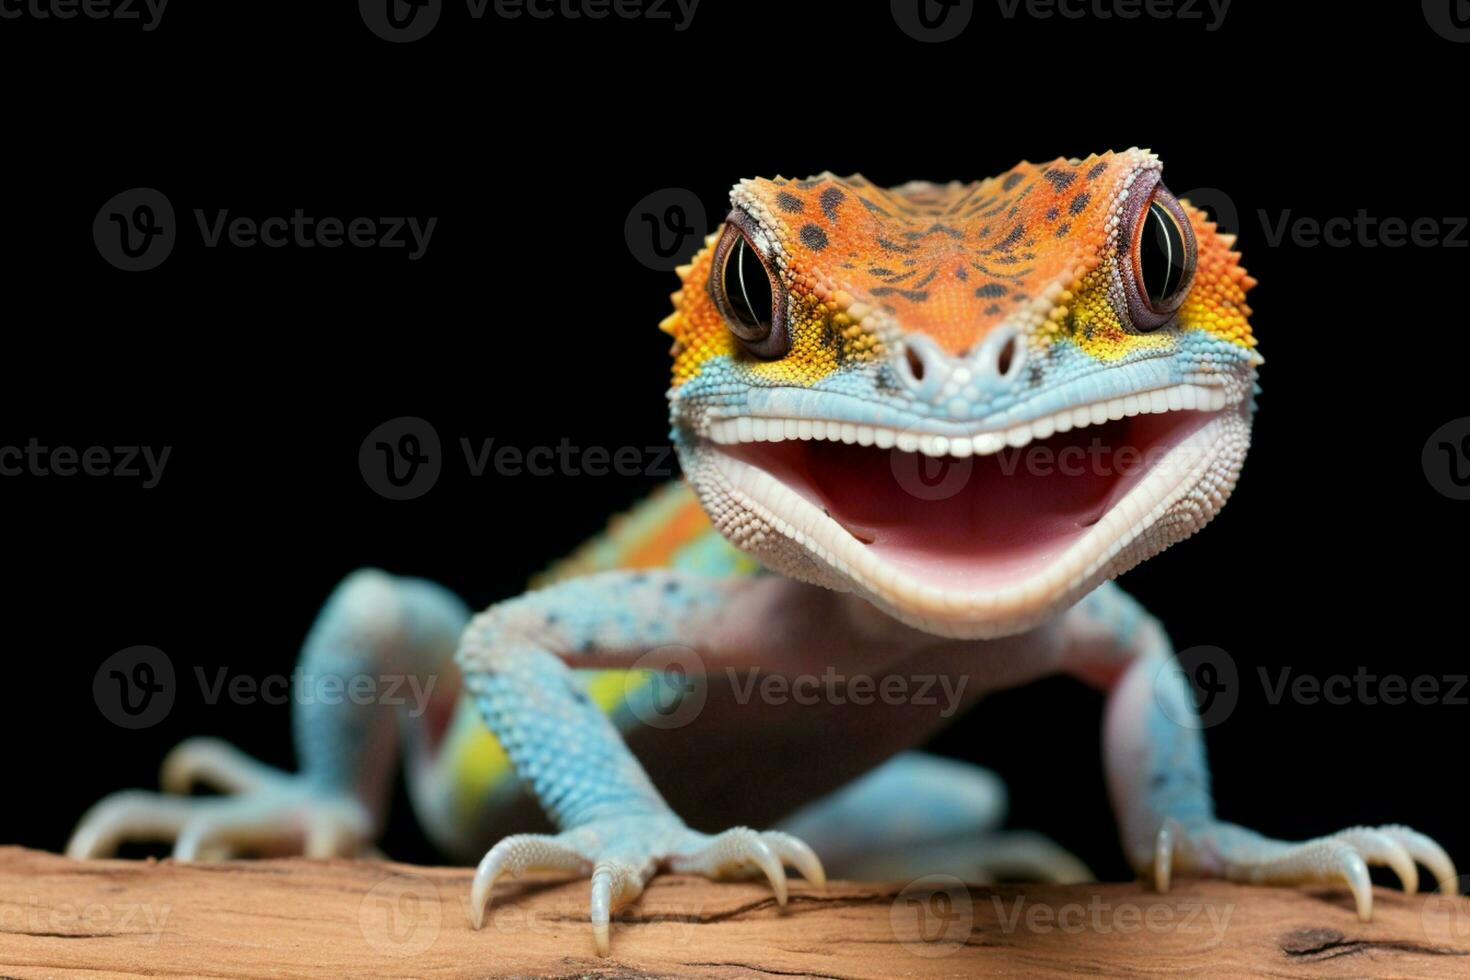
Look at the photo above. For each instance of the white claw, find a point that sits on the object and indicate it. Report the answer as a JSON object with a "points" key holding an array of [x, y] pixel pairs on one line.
{"points": [[1374, 845], [488, 872], [1164, 844], [1355, 872], [602, 879], [795, 852], [1426, 852], [767, 862]]}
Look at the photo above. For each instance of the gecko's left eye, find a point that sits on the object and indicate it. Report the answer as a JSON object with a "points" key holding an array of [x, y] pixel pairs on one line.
{"points": [[1162, 253], [747, 293]]}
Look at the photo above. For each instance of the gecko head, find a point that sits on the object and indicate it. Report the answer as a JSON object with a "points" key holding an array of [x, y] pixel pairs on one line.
{"points": [[968, 403]]}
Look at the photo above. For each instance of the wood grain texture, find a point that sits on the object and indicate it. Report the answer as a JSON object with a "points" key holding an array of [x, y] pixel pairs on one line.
{"points": [[298, 918]]}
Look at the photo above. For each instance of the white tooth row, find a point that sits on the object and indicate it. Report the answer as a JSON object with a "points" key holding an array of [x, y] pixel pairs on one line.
{"points": [[1185, 397]]}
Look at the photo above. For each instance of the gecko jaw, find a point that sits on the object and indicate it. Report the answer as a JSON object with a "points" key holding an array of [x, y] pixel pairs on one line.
{"points": [[984, 533]]}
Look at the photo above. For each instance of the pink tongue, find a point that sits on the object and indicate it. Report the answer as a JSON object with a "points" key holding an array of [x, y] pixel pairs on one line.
{"points": [[978, 523]]}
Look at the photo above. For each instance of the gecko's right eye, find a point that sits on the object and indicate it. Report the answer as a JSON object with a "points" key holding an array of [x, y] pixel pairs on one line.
{"points": [[748, 295]]}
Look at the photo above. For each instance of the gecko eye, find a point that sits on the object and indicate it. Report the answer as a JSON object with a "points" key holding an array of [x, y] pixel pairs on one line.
{"points": [[747, 294], [1163, 253]]}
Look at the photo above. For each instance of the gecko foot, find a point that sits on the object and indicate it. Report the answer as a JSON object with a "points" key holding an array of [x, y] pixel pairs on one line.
{"points": [[270, 812], [1232, 852], [621, 855]]}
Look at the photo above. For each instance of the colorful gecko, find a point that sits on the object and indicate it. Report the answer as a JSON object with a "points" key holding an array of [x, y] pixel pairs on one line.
{"points": [[934, 422]]}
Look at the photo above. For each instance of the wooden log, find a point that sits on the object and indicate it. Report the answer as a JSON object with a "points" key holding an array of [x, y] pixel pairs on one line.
{"points": [[299, 918]]}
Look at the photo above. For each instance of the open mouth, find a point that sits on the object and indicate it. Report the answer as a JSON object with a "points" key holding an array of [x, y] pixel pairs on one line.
{"points": [[953, 519]]}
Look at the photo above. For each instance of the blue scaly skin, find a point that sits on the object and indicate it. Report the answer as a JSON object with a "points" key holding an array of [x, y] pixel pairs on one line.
{"points": [[933, 422]]}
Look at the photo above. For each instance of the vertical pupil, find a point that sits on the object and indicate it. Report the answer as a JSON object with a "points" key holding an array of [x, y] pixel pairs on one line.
{"points": [[1162, 253], [747, 286]]}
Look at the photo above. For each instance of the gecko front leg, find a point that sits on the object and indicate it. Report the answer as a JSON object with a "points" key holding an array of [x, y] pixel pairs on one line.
{"points": [[1160, 783], [614, 825]]}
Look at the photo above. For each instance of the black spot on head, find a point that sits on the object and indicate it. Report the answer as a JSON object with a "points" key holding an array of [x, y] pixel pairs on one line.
{"points": [[830, 199], [1012, 239], [789, 202], [1010, 182], [1053, 214], [1060, 179], [990, 290], [912, 295], [1064, 229], [891, 246], [873, 207], [1097, 171], [992, 309], [962, 273], [1079, 203], [813, 237]]}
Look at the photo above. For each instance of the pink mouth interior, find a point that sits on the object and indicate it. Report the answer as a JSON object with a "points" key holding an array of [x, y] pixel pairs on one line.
{"points": [[979, 523]]}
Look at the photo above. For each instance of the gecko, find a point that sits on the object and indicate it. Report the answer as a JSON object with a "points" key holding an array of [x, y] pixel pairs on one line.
{"points": [[922, 429]]}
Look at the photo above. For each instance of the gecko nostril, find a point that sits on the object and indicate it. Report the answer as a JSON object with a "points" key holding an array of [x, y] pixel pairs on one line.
{"points": [[1010, 356], [915, 363]]}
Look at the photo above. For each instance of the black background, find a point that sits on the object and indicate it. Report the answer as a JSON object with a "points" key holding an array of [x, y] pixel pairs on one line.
{"points": [[529, 320]]}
